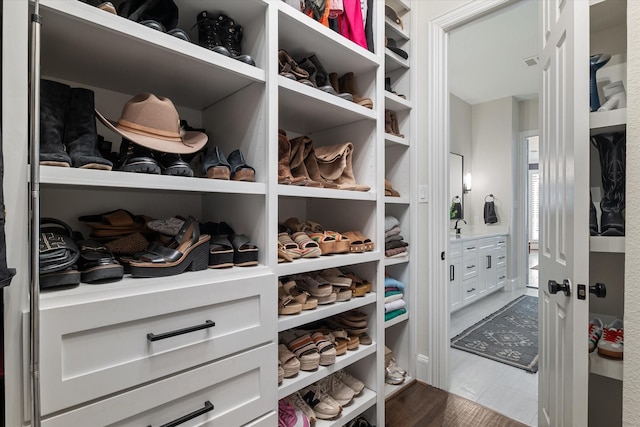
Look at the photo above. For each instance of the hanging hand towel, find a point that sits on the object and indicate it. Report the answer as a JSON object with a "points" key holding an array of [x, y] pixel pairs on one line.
{"points": [[455, 211], [490, 216]]}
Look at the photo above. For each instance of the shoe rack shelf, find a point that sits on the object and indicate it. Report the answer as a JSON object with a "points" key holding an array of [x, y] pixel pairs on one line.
{"points": [[607, 260], [401, 171], [611, 244], [324, 311], [314, 264], [91, 178], [102, 44], [324, 193], [360, 404], [391, 389], [305, 378]]}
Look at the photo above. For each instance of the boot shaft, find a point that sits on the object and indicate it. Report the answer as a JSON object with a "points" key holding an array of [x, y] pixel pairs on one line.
{"points": [[54, 106], [612, 154]]}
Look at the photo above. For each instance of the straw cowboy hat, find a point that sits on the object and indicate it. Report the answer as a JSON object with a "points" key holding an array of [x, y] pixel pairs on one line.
{"points": [[153, 122]]}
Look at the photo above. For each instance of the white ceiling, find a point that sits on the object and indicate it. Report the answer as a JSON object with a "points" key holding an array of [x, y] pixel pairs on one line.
{"points": [[486, 55]]}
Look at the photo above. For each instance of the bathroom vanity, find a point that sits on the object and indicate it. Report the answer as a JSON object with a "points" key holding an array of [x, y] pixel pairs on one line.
{"points": [[478, 267]]}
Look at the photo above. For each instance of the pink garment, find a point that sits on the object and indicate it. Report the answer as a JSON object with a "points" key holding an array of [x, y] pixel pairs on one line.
{"points": [[350, 22], [336, 8]]}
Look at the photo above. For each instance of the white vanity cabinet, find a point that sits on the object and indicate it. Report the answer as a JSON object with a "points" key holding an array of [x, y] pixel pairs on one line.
{"points": [[477, 267], [455, 276]]}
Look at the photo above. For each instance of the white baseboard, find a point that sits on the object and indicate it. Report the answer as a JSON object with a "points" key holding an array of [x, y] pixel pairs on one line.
{"points": [[422, 369]]}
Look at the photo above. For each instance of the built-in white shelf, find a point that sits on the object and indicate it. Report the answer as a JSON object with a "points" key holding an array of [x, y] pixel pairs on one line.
{"points": [[402, 200], [324, 193], [610, 368], [614, 244], [361, 403], [393, 62], [390, 389], [391, 140], [398, 319], [74, 177], [401, 7], [396, 260], [95, 52], [323, 311], [608, 121], [301, 265], [305, 378], [306, 109], [396, 103], [394, 30]]}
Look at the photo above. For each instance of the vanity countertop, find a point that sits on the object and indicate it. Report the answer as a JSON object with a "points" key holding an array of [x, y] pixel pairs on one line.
{"points": [[472, 236]]}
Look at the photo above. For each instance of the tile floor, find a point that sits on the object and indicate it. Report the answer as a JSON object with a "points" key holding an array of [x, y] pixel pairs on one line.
{"points": [[510, 391]]}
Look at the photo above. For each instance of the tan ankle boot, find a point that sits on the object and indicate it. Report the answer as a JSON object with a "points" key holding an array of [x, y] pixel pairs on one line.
{"points": [[333, 78], [348, 84], [284, 157]]}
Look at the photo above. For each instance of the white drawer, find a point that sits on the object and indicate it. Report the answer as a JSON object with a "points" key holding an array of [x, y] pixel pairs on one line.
{"points": [[240, 388], [470, 247], [469, 290], [469, 267], [501, 241], [501, 257], [269, 420], [455, 250], [501, 277], [92, 349], [489, 242]]}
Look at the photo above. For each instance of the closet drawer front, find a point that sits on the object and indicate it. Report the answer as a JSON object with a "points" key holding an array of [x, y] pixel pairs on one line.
{"points": [[469, 267], [240, 388], [501, 257], [98, 348], [470, 247], [455, 250], [501, 277], [469, 290], [486, 243], [501, 241]]}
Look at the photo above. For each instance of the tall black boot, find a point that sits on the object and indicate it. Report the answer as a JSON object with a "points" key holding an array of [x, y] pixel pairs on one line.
{"points": [[612, 149], [54, 103], [593, 218], [80, 134]]}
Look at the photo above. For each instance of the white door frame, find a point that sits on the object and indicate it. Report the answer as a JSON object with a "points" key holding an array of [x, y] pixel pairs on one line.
{"points": [[438, 122], [522, 200]]}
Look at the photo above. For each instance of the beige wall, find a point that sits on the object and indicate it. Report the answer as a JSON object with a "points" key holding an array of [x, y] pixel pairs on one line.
{"points": [[631, 384]]}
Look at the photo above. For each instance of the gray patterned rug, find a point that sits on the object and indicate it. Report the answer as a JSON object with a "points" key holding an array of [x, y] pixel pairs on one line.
{"points": [[510, 335]]}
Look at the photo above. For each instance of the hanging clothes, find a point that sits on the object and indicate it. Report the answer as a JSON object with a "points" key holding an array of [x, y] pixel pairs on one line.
{"points": [[368, 27], [6, 274], [318, 10], [351, 24]]}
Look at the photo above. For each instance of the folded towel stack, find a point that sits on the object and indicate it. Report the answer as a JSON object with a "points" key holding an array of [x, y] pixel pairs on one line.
{"points": [[394, 303], [394, 244]]}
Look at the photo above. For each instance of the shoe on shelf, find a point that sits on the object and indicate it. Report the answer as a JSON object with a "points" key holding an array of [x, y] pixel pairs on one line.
{"points": [[289, 361], [595, 333], [280, 373], [138, 159], [393, 374], [230, 34], [304, 348], [353, 383], [290, 416], [325, 347], [296, 400], [338, 390], [207, 35], [286, 303], [324, 406], [612, 342]]}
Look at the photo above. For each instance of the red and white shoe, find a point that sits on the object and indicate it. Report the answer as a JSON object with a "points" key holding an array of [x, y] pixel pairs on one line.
{"points": [[612, 342], [595, 333]]}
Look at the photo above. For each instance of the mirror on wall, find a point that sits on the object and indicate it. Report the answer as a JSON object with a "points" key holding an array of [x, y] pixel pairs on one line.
{"points": [[456, 171]]}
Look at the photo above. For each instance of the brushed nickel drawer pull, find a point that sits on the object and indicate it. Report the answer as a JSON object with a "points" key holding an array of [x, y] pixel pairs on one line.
{"points": [[471, 266], [208, 406], [207, 324], [471, 290]]}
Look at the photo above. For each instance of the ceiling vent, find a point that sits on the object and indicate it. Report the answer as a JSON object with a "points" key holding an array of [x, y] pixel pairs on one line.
{"points": [[531, 61]]}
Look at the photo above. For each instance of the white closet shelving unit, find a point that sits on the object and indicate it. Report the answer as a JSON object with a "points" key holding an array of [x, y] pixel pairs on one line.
{"points": [[607, 260], [401, 171], [96, 363]]}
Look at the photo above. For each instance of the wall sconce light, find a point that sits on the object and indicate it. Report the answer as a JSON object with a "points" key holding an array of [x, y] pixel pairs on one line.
{"points": [[466, 184]]}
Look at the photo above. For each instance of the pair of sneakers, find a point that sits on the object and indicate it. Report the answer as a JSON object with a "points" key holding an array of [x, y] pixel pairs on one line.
{"points": [[609, 339], [327, 396]]}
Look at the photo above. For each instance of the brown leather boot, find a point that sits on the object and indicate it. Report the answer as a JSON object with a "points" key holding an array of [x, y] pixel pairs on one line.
{"points": [[333, 78], [304, 158], [284, 158], [348, 84]]}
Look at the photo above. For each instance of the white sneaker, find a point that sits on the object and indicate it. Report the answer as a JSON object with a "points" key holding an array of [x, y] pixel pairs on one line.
{"points": [[339, 391], [612, 342], [324, 406], [595, 333], [353, 383], [296, 400]]}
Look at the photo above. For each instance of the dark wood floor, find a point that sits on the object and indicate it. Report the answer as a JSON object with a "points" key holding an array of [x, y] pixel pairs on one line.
{"points": [[420, 405]]}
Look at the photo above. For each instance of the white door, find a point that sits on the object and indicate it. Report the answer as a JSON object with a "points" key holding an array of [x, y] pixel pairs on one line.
{"points": [[564, 240]]}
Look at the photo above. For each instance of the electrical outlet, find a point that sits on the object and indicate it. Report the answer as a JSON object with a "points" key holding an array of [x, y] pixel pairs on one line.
{"points": [[423, 194]]}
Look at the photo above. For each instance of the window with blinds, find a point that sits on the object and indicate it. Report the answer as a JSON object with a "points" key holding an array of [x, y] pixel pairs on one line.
{"points": [[534, 206]]}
